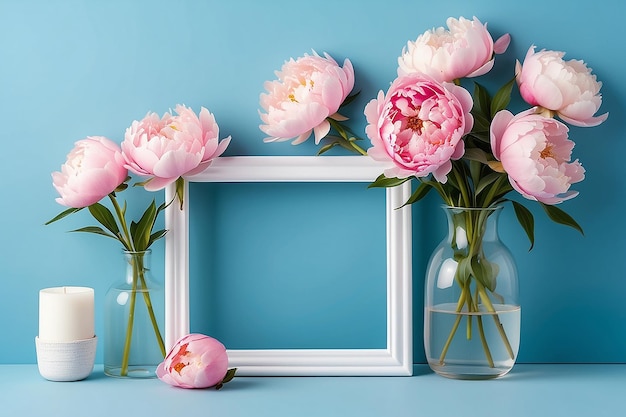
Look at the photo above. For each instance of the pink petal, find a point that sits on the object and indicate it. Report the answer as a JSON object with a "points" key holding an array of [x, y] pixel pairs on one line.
{"points": [[321, 131], [500, 46]]}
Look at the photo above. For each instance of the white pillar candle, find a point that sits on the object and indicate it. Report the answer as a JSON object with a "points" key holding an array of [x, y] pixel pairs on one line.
{"points": [[66, 314]]}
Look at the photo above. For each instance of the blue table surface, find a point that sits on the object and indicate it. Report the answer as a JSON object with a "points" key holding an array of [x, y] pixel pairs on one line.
{"points": [[529, 390]]}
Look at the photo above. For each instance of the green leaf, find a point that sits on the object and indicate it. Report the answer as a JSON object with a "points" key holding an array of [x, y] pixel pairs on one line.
{"points": [[230, 374], [328, 147], [502, 97], [95, 230], [419, 193], [384, 182], [180, 190], [156, 236], [475, 169], [559, 216], [452, 181], [143, 229], [142, 183], [163, 206], [133, 229], [464, 269], [526, 220], [104, 216], [496, 190], [121, 187], [343, 133], [485, 272], [482, 102], [486, 181], [475, 154], [346, 143], [481, 121], [63, 214], [349, 99], [480, 134]]}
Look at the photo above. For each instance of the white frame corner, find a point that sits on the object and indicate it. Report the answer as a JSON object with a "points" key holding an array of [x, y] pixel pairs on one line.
{"points": [[395, 359]]}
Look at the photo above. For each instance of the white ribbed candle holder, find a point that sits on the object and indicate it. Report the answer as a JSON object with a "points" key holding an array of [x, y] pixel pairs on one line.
{"points": [[66, 361]]}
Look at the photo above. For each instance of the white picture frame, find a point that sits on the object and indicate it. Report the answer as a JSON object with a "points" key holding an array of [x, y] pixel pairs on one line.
{"points": [[395, 359]]}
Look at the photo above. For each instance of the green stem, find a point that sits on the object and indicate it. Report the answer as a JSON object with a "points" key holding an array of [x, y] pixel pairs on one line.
{"points": [[472, 223], [462, 185], [349, 139], [483, 340], [485, 298], [442, 193], [358, 148], [469, 300], [495, 190], [138, 275], [455, 326], [125, 238], [155, 325], [131, 318], [138, 271]]}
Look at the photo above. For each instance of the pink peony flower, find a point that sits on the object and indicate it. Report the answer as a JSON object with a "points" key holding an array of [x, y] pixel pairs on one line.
{"points": [[93, 169], [565, 87], [172, 146], [418, 125], [307, 91], [465, 49], [195, 361], [535, 153]]}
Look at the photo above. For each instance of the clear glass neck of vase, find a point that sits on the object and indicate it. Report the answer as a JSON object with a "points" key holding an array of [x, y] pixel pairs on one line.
{"points": [[137, 265], [468, 224]]}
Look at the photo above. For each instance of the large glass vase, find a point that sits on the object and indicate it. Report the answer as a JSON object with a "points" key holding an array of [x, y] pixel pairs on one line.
{"points": [[472, 311], [133, 321]]}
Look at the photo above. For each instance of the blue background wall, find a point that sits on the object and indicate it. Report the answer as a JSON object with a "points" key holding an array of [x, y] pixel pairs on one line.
{"points": [[69, 69]]}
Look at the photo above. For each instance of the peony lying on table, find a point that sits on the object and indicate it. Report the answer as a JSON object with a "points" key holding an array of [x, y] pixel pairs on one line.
{"points": [[196, 361], [305, 100]]}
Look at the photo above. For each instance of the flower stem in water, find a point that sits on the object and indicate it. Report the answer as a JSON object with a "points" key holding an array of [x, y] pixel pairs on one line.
{"points": [[131, 318]]}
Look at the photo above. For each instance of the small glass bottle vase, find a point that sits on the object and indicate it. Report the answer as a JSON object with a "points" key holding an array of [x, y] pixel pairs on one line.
{"points": [[133, 319], [472, 313]]}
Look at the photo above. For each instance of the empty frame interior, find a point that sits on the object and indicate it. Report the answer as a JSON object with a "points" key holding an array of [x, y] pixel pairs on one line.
{"points": [[302, 269]]}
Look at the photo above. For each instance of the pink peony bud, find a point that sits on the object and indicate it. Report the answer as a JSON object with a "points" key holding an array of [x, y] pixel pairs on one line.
{"points": [[195, 361], [93, 169]]}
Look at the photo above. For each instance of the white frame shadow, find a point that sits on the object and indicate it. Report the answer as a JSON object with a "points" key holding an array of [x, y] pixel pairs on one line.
{"points": [[395, 359]]}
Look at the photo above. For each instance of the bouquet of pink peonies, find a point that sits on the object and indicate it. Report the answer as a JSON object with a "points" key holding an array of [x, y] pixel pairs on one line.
{"points": [[473, 151], [476, 150], [166, 149]]}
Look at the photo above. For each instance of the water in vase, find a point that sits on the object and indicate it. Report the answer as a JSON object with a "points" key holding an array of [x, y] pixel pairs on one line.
{"points": [[472, 345]]}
